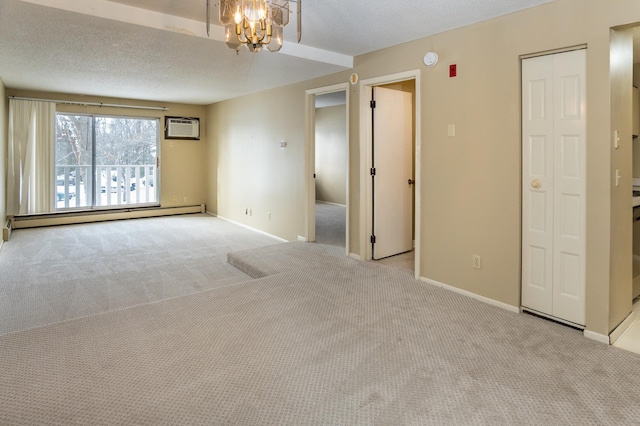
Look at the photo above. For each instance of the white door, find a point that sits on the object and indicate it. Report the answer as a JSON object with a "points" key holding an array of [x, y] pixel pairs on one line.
{"points": [[554, 185], [392, 172]]}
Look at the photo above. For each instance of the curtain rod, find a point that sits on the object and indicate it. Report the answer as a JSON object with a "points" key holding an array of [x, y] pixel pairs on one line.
{"points": [[100, 104]]}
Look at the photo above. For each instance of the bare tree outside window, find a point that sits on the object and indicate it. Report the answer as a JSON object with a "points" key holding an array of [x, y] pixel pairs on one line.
{"points": [[105, 161]]}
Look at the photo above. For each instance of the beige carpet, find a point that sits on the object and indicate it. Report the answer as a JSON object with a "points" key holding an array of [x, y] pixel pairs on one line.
{"points": [[319, 339], [59, 273], [331, 222]]}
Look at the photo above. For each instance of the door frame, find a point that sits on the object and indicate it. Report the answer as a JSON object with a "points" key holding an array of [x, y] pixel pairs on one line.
{"points": [[366, 197], [310, 160]]}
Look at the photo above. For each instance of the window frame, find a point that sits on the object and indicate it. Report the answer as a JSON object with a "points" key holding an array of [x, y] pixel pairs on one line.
{"points": [[94, 167]]}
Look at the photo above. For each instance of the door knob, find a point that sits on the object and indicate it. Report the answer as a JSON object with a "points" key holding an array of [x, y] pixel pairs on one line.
{"points": [[536, 183], [411, 181]]}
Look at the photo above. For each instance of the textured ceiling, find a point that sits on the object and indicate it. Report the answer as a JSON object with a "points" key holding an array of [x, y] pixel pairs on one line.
{"points": [[158, 49]]}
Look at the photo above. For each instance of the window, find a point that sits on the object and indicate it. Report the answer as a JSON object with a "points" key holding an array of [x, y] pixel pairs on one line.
{"points": [[104, 161]]}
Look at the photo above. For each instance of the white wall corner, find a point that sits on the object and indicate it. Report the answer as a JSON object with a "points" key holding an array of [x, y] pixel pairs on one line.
{"points": [[602, 338], [619, 330]]}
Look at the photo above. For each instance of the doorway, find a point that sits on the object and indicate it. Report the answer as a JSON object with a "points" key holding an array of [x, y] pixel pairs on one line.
{"points": [[331, 153], [636, 165], [374, 204], [625, 77], [327, 166]]}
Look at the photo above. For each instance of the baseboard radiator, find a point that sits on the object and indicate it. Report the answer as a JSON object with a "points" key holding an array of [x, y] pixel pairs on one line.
{"points": [[6, 230], [71, 218]]}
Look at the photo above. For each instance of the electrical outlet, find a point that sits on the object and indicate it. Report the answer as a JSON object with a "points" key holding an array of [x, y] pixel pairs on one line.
{"points": [[250, 212], [185, 199], [246, 211], [477, 261], [269, 215]]}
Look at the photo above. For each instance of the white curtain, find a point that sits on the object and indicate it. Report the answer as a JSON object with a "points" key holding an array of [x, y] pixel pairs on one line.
{"points": [[30, 180]]}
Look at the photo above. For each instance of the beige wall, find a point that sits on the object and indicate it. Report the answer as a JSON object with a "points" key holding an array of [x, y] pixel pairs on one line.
{"points": [[471, 196], [331, 154], [622, 160], [252, 172], [3, 155], [182, 166]]}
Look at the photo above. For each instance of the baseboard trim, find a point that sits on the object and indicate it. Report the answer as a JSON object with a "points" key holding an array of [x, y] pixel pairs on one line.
{"points": [[602, 338], [242, 225], [355, 256], [493, 302], [620, 329]]}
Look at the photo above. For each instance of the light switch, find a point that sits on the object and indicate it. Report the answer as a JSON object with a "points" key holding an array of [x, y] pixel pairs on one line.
{"points": [[618, 177], [616, 139], [452, 130]]}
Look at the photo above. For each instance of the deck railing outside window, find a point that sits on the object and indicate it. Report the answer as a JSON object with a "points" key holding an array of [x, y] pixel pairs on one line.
{"points": [[114, 185]]}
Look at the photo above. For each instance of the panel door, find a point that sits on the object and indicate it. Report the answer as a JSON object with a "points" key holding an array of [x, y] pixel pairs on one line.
{"points": [[554, 185], [537, 184], [570, 186], [393, 163]]}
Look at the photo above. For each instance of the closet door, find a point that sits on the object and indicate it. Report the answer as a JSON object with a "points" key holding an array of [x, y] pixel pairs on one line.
{"points": [[537, 183], [554, 185]]}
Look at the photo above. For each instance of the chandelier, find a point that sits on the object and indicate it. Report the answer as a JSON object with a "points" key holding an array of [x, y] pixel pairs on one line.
{"points": [[255, 23]]}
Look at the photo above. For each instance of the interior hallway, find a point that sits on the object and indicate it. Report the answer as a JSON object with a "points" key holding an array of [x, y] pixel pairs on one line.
{"points": [[331, 228]]}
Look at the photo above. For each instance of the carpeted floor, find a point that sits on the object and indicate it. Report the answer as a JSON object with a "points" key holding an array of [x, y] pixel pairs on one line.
{"points": [[64, 272], [331, 224], [319, 338]]}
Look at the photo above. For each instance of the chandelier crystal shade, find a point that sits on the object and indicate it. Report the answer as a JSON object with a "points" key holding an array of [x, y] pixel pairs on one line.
{"points": [[254, 23]]}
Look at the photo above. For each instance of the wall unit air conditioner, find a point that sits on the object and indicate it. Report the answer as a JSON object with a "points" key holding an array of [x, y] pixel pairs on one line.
{"points": [[181, 128]]}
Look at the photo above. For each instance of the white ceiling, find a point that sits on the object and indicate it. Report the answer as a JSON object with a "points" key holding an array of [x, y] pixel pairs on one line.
{"points": [[159, 50]]}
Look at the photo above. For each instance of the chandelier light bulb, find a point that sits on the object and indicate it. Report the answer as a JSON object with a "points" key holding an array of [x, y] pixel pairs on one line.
{"points": [[254, 10]]}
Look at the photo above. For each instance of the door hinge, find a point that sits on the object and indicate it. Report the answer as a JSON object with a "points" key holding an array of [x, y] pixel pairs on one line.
{"points": [[373, 239], [372, 104], [372, 172], [157, 162], [314, 175]]}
